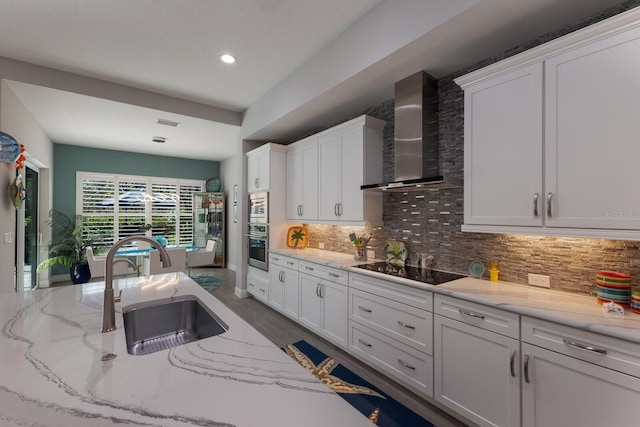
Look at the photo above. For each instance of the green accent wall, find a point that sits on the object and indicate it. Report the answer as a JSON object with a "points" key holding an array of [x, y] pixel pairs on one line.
{"points": [[69, 159]]}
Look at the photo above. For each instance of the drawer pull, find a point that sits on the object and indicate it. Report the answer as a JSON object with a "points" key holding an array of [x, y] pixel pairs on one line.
{"points": [[308, 268], [318, 290], [290, 263], [471, 314], [526, 369], [334, 275], [535, 205], [365, 309], [406, 365], [275, 259], [586, 347], [549, 196], [404, 325], [262, 290], [513, 364], [364, 343], [251, 285]]}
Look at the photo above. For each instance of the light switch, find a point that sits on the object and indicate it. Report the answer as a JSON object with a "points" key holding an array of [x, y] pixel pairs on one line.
{"points": [[7, 238]]}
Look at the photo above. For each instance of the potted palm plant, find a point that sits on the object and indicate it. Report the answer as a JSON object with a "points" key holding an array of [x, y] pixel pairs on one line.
{"points": [[68, 247]]}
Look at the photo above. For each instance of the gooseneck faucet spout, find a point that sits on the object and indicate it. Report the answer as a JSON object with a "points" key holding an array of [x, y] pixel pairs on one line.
{"points": [[108, 308]]}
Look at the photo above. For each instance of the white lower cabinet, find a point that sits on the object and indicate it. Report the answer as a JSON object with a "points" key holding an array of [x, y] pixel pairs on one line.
{"points": [[476, 370], [391, 328], [258, 287], [283, 285], [323, 303], [579, 379]]}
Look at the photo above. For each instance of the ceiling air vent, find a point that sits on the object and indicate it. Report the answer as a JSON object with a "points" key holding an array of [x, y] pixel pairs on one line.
{"points": [[166, 122]]}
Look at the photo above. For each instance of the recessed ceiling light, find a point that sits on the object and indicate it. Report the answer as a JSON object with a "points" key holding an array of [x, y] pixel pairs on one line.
{"points": [[229, 59], [159, 139]]}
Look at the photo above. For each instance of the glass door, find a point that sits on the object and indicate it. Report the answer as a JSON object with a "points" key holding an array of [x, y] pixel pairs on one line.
{"points": [[27, 233]]}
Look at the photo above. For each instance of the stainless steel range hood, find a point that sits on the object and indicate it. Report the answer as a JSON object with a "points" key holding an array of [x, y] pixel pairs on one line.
{"points": [[416, 150]]}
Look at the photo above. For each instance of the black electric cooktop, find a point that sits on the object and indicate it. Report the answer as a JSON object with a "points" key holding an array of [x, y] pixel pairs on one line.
{"points": [[424, 275]]}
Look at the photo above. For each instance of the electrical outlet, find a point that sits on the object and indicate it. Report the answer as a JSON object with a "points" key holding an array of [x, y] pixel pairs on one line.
{"points": [[7, 238], [539, 280], [371, 254], [320, 245]]}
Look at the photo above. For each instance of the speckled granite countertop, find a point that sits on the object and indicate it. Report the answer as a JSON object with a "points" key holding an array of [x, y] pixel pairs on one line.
{"points": [[51, 373], [562, 307]]}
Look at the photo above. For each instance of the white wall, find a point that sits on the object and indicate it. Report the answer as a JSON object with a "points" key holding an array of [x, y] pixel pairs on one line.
{"points": [[18, 122], [230, 174]]}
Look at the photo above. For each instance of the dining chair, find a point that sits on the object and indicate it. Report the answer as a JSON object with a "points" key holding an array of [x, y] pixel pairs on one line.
{"points": [[178, 257], [202, 257], [97, 264]]}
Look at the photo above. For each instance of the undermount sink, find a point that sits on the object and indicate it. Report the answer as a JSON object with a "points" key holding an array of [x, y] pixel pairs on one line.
{"points": [[159, 325]]}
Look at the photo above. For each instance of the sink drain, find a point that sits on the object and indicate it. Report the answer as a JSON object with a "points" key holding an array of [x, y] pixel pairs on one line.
{"points": [[108, 356]]}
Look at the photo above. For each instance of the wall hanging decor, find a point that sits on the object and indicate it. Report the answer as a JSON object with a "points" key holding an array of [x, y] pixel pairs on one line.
{"points": [[10, 150], [213, 185], [17, 192]]}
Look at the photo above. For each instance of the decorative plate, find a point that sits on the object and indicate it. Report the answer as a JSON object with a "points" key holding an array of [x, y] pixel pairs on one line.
{"points": [[297, 237], [476, 268], [395, 253]]}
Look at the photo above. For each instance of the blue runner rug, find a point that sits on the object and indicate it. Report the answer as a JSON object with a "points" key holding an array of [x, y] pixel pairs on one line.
{"points": [[366, 398], [209, 283]]}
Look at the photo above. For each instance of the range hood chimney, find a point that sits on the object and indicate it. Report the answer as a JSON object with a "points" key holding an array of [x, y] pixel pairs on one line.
{"points": [[416, 151]]}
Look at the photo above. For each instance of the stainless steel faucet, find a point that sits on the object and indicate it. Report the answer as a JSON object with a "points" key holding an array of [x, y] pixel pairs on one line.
{"points": [[108, 307]]}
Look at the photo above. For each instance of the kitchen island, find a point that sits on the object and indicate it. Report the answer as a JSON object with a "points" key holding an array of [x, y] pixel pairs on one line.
{"points": [[52, 372]]}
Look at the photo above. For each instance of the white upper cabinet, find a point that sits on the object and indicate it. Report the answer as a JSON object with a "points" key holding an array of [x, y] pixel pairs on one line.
{"points": [[592, 122], [503, 149], [260, 164], [302, 181], [551, 136], [327, 190]]}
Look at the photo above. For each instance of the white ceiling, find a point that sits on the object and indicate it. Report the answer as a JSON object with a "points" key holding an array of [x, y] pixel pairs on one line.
{"points": [[172, 47]]}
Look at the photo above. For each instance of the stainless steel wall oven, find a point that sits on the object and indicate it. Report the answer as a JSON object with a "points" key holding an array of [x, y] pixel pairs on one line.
{"points": [[258, 235]]}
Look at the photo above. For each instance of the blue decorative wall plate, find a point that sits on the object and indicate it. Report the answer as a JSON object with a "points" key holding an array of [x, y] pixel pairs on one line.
{"points": [[213, 185]]}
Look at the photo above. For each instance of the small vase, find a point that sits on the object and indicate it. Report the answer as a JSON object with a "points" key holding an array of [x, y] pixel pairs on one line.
{"points": [[80, 273], [360, 254]]}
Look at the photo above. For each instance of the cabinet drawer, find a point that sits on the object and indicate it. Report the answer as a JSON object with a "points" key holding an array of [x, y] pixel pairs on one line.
{"points": [[612, 353], [323, 272], [409, 325], [489, 318], [284, 261], [414, 297], [405, 364], [258, 288]]}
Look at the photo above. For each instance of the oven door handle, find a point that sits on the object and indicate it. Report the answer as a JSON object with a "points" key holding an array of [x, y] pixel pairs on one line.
{"points": [[258, 236]]}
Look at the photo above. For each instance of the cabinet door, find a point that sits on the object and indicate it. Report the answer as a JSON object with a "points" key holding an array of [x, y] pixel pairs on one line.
{"points": [[253, 173], [329, 149], [294, 184], [264, 171], [334, 318], [276, 287], [310, 309], [291, 294], [302, 182], [591, 139], [558, 390], [352, 173], [476, 373], [503, 150]]}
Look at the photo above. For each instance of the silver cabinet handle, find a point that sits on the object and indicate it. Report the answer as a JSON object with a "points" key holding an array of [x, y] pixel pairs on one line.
{"points": [[335, 209], [334, 275], [513, 364], [282, 278], [585, 347], [251, 285], [321, 287], [339, 209], [535, 204], [365, 309], [406, 365], [364, 343], [470, 314], [318, 290], [308, 268], [526, 369], [275, 259], [262, 290], [291, 263], [301, 209], [549, 196], [255, 182], [404, 325]]}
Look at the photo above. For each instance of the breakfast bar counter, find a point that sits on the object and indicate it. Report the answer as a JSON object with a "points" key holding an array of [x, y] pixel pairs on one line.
{"points": [[52, 370]]}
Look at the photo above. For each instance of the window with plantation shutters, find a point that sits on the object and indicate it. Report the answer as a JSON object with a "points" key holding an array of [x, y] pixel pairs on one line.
{"points": [[118, 206]]}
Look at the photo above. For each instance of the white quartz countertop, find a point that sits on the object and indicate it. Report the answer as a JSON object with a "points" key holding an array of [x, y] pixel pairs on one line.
{"points": [[562, 307], [51, 371]]}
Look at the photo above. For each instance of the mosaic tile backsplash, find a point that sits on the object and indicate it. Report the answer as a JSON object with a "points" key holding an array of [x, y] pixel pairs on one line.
{"points": [[429, 220]]}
